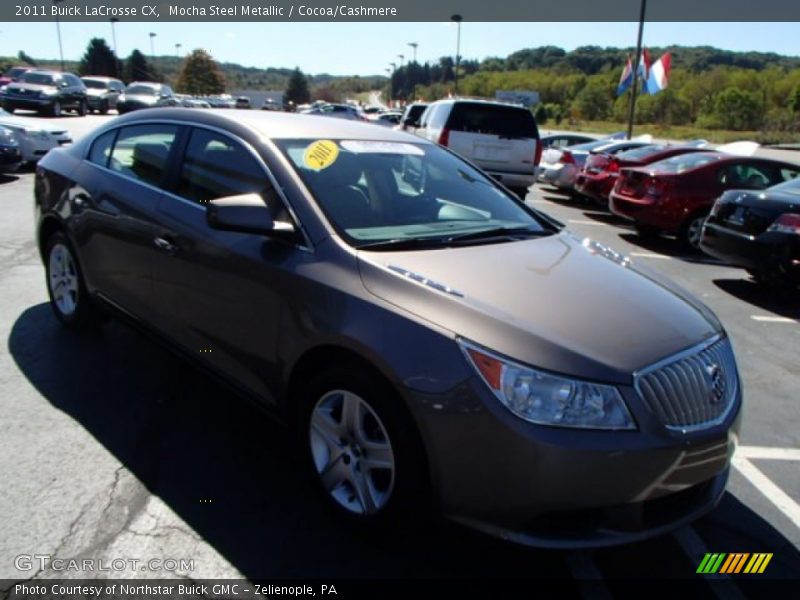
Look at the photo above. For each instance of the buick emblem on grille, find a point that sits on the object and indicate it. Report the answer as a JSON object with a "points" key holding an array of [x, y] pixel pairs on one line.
{"points": [[716, 383]]}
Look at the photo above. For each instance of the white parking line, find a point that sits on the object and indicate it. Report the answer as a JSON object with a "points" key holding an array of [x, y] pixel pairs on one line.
{"points": [[584, 222], [693, 546], [649, 255], [762, 452], [770, 319], [764, 484]]}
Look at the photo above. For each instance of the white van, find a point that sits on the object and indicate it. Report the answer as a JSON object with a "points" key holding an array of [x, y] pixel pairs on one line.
{"points": [[502, 139]]}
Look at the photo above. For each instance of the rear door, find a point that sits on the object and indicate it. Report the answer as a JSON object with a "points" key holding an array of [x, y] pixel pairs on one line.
{"points": [[496, 137], [117, 220]]}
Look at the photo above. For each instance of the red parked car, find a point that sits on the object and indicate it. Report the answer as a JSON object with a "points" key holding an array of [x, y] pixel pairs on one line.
{"points": [[675, 195], [600, 172], [13, 74]]}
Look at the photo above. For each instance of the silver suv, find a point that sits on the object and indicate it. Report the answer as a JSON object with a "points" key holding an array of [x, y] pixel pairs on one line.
{"points": [[502, 139]]}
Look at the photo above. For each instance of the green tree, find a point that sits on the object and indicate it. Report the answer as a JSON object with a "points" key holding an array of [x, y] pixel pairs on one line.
{"points": [[735, 109], [98, 59], [26, 59], [297, 89], [200, 75], [593, 102], [137, 68]]}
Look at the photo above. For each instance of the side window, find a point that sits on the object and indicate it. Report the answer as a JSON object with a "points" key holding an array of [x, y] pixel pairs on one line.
{"points": [[215, 166], [141, 151], [423, 120], [748, 176], [101, 148], [788, 174]]}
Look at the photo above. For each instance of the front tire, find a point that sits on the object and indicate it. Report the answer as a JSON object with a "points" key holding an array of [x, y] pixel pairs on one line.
{"points": [[362, 448], [68, 296], [55, 110], [692, 231], [83, 108]]}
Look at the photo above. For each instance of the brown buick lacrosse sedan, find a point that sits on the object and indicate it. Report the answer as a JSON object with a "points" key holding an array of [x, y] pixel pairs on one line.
{"points": [[425, 331]]}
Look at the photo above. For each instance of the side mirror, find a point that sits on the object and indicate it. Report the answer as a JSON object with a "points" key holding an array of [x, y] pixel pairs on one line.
{"points": [[246, 213]]}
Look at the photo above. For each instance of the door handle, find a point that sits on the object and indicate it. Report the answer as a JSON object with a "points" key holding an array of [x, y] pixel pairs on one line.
{"points": [[164, 244]]}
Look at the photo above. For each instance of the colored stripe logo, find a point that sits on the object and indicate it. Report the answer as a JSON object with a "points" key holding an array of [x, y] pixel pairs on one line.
{"points": [[734, 562]]}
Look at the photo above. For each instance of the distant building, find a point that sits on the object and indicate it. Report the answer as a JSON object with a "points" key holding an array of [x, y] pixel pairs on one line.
{"points": [[525, 98], [258, 97]]}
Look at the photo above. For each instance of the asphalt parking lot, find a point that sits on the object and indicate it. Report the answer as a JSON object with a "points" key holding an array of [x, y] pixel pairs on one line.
{"points": [[113, 448]]}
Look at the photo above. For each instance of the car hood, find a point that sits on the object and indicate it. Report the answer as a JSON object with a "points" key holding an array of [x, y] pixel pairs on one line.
{"points": [[33, 124], [559, 303]]}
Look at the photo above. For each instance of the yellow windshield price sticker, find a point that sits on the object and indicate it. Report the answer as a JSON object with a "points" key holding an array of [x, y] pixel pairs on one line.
{"points": [[320, 154]]}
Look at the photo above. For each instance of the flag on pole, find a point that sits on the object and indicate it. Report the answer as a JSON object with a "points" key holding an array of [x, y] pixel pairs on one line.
{"points": [[658, 78], [643, 70], [626, 79]]}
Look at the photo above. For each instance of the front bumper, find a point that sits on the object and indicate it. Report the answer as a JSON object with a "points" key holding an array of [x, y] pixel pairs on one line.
{"points": [[561, 487], [10, 159], [26, 102]]}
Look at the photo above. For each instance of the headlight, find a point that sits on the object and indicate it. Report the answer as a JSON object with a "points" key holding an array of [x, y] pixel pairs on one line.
{"points": [[547, 399], [37, 134], [48, 93], [3, 89]]}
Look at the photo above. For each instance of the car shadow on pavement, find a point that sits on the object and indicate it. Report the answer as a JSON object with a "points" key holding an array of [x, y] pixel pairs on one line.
{"points": [[781, 301], [189, 440], [8, 178], [670, 246], [600, 215], [232, 475]]}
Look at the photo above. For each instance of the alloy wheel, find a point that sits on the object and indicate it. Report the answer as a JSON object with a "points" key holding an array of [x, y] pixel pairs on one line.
{"points": [[63, 280], [694, 231], [352, 452], [56, 108]]}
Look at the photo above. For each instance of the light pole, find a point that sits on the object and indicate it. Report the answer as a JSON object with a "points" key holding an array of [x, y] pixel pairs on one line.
{"points": [[391, 82], [414, 46], [632, 106], [178, 50], [58, 31], [113, 21], [457, 20], [402, 58], [152, 51]]}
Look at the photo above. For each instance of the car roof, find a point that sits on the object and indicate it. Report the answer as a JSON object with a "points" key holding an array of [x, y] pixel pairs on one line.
{"points": [[99, 77], [276, 125], [479, 101]]}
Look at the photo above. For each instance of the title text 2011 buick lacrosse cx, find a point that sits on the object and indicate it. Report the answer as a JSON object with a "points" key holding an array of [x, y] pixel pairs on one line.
{"points": [[425, 330]]}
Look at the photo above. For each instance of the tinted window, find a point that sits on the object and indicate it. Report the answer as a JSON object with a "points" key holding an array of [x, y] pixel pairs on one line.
{"points": [[641, 153], [215, 166], [101, 148], [492, 119], [142, 90], [684, 162], [141, 151], [95, 84], [414, 112], [750, 176]]}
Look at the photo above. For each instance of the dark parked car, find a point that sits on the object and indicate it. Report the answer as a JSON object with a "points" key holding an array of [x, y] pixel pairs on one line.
{"points": [[102, 93], [13, 74], [424, 330], [598, 175], [145, 94], [759, 231], [47, 92], [675, 195], [10, 154]]}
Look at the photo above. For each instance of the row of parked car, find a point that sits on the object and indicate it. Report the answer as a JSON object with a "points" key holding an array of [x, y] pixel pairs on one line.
{"points": [[726, 201]]}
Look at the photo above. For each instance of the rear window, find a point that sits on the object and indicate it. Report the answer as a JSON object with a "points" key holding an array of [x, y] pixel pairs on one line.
{"points": [[415, 112], [143, 90], [96, 84], [589, 145], [788, 187], [640, 153], [684, 162], [493, 119]]}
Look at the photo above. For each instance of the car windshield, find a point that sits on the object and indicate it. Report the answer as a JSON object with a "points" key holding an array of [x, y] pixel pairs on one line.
{"points": [[684, 162], [96, 84], [379, 191], [589, 145], [788, 187], [141, 90], [38, 78]]}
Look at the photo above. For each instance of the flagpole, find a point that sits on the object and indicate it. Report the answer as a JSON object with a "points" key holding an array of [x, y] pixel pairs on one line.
{"points": [[632, 106]]}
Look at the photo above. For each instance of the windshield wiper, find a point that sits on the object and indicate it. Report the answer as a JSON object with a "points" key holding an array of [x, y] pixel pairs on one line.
{"points": [[404, 243], [498, 233]]}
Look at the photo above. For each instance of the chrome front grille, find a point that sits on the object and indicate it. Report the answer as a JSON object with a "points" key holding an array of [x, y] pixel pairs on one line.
{"points": [[694, 389]]}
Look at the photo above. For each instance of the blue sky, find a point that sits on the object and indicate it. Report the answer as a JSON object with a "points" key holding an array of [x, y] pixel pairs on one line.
{"points": [[368, 48]]}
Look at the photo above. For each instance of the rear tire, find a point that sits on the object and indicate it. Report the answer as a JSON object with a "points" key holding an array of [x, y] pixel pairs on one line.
{"points": [[104, 108], [55, 110], [362, 449], [692, 230], [69, 298]]}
